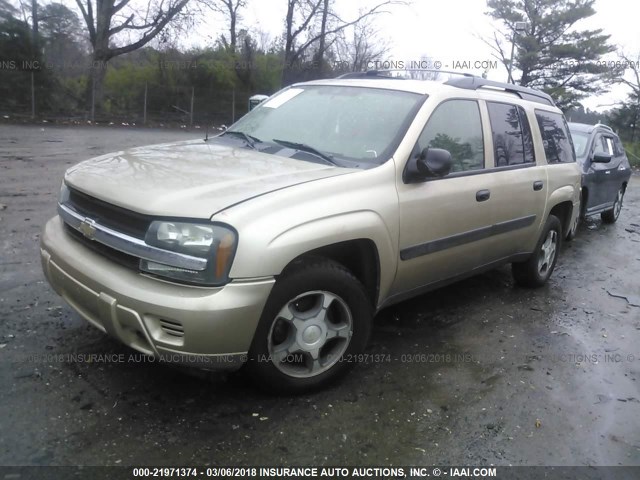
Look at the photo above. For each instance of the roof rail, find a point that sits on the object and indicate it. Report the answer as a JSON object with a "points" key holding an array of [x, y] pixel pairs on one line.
{"points": [[370, 74], [607, 127], [465, 80], [473, 82], [384, 73]]}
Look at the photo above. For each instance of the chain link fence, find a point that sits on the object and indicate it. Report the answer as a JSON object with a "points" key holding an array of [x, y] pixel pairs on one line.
{"points": [[27, 96]]}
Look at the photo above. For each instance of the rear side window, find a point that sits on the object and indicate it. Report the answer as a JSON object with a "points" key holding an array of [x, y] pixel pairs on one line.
{"points": [[558, 146], [512, 142], [455, 126]]}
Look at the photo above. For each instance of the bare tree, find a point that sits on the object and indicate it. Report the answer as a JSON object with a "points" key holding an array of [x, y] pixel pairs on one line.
{"points": [[230, 10], [110, 22], [300, 36], [424, 70], [34, 18], [358, 47]]}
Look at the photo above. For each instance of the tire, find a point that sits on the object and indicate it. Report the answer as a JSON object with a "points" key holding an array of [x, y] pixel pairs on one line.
{"points": [[316, 319], [610, 216], [535, 271]]}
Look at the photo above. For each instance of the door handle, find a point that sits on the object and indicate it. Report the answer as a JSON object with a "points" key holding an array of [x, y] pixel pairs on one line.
{"points": [[482, 195], [537, 185]]}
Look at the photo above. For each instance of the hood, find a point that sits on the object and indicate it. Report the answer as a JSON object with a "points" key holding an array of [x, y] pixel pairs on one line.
{"points": [[190, 179]]}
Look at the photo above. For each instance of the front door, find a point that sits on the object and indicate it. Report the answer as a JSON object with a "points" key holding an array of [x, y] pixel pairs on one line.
{"points": [[443, 221]]}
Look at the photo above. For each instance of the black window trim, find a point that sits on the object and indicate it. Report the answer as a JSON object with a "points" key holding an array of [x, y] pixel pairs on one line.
{"points": [[518, 107], [567, 130], [480, 171], [415, 149]]}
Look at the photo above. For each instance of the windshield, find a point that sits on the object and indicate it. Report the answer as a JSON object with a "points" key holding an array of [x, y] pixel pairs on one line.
{"points": [[357, 124], [580, 143]]}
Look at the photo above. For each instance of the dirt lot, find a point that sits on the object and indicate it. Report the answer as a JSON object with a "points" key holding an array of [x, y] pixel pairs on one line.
{"points": [[481, 372]]}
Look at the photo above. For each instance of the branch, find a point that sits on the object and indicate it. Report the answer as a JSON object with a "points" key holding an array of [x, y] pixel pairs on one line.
{"points": [[372, 11], [305, 24], [118, 7], [160, 23], [88, 18]]}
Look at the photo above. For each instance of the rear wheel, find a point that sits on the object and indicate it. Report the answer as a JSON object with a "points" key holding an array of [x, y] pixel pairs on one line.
{"points": [[317, 318], [535, 271], [610, 216]]}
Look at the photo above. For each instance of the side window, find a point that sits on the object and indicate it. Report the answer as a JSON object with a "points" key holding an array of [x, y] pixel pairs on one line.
{"points": [[512, 142], [558, 146], [601, 144], [455, 126]]}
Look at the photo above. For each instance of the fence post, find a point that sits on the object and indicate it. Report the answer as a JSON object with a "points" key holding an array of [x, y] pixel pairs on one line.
{"points": [[93, 97], [33, 96], [144, 115], [191, 111], [233, 105]]}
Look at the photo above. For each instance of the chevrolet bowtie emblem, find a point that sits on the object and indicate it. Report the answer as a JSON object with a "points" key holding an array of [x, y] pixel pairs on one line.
{"points": [[88, 229]]}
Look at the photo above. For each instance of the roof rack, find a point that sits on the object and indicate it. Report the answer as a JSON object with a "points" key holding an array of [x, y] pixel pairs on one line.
{"points": [[370, 74], [604, 126], [465, 80], [384, 73], [473, 82]]}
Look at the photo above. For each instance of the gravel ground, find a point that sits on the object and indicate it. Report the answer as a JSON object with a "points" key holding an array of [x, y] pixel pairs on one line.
{"points": [[480, 372]]}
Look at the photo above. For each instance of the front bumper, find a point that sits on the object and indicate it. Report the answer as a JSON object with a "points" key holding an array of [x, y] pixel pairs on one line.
{"points": [[206, 327]]}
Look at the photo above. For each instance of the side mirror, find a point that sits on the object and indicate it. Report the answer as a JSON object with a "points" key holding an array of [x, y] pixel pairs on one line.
{"points": [[434, 162], [601, 157]]}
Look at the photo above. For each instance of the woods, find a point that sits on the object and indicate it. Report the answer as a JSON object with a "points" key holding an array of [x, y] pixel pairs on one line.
{"points": [[122, 60], [129, 61]]}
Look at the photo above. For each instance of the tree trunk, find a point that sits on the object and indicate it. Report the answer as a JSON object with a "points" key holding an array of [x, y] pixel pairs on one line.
{"points": [[323, 34], [34, 25], [95, 85], [232, 30], [288, 46]]}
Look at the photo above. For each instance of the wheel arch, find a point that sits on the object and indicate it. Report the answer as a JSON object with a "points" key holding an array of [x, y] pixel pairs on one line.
{"points": [[564, 212], [360, 256], [562, 203]]}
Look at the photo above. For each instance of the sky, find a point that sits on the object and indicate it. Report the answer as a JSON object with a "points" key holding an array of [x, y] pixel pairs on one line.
{"points": [[450, 31]]}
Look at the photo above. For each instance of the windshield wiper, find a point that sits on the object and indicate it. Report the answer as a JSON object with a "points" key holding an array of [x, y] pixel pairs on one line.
{"points": [[307, 148], [251, 141]]}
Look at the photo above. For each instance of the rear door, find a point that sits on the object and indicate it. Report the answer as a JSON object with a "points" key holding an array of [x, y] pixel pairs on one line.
{"points": [[519, 184]]}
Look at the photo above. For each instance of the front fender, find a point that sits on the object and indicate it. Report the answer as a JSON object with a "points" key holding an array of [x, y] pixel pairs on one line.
{"points": [[279, 250]]}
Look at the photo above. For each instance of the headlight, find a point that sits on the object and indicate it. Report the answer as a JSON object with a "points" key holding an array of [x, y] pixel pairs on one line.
{"points": [[213, 242]]}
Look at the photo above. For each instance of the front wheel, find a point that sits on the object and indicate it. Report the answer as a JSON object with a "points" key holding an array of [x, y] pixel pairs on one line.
{"points": [[317, 318], [535, 271], [610, 216]]}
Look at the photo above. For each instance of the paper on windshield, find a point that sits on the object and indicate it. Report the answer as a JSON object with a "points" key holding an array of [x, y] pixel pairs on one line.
{"points": [[283, 98]]}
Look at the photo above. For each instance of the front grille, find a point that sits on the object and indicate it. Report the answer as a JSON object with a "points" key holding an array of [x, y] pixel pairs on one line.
{"points": [[114, 255], [112, 216]]}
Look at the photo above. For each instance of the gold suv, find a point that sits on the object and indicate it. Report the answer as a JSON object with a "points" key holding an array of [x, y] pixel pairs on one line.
{"points": [[274, 244]]}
